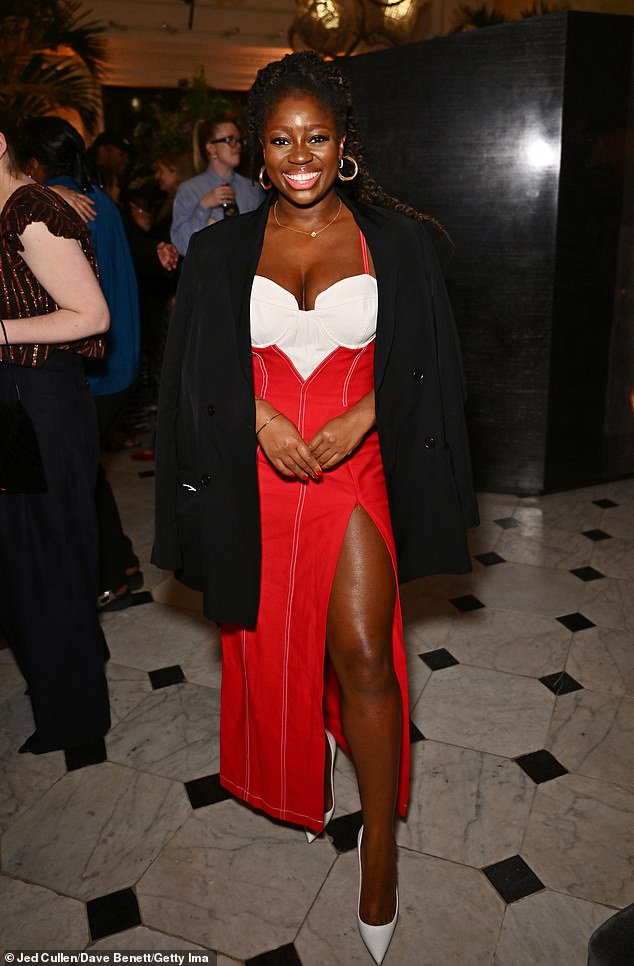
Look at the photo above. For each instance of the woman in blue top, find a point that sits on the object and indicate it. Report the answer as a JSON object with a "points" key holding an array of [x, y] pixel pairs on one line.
{"points": [[53, 153]]}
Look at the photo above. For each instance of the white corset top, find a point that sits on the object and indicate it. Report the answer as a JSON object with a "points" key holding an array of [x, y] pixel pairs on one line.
{"points": [[344, 315]]}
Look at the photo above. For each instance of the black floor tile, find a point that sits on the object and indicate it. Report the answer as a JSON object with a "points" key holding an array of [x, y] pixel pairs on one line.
{"points": [[596, 535], [561, 683], [466, 603], [414, 734], [164, 676], [85, 755], [206, 791], [507, 523], [513, 878], [541, 766], [438, 659], [587, 573], [115, 912], [576, 622], [344, 831], [490, 559], [604, 503], [282, 956]]}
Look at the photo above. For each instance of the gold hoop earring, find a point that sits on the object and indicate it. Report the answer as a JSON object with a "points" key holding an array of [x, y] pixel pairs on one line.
{"points": [[263, 172], [348, 177]]}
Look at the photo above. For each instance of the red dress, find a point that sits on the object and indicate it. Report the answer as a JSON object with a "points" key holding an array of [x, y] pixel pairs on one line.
{"points": [[279, 691]]}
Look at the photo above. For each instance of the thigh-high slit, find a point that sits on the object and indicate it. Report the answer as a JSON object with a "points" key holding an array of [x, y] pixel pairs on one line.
{"points": [[279, 690]]}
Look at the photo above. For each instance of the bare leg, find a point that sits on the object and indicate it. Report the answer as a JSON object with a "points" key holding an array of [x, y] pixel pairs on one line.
{"points": [[359, 641]]}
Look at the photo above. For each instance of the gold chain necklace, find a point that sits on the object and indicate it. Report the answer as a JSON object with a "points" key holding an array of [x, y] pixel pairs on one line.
{"points": [[313, 234]]}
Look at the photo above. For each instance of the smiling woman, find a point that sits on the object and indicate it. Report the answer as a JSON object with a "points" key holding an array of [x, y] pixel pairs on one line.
{"points": [[304, 465]]}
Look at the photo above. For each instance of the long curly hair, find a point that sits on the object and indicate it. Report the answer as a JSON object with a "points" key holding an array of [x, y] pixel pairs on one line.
{"points": [[305, 72]]}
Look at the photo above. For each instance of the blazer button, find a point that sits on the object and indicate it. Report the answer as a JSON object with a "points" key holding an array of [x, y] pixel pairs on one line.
{"points": [[428, 443], [206, 479], [417, 374], [211, 411]]}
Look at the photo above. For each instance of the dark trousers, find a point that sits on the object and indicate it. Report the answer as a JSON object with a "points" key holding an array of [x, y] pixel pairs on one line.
{"points": [[115, 548], [48, 560]]}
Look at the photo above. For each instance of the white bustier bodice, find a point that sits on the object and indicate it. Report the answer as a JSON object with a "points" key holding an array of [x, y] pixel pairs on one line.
{"points": [[344, 315]]}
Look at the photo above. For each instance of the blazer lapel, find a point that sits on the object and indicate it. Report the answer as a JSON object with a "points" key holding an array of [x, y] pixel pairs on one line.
{"points": [[383, 245], [241, 262]]}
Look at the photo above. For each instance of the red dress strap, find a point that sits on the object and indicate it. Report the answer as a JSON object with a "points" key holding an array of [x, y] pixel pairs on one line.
{"points": [[364, 252]]}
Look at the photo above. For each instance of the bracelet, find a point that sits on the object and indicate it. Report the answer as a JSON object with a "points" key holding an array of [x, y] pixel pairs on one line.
{"points": [[269, 420]]}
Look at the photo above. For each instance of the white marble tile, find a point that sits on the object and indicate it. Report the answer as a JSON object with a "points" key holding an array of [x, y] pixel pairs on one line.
{"points": [[618, 521], [153, 635], [95, 831], [603, 660], [140, 937], [560, 515], [528, 589], [204, 664], [592, 734], [346, 788], [449, 914], [465, 806], [173, 732], [446, 586], [127, 686], [234, 881], [428, 623], [507, 641], [35, 918], [548, 928], [503, 714], [614, 557], [11, 680], [609, 603], [428, 617], [418, 673], [544, 547], [497, 506], [484, 538], [23, 778], [580, 839], [171, 592]]}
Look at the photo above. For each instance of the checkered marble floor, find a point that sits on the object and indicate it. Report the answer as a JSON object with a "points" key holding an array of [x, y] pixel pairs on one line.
{"points": [[519, 840]]}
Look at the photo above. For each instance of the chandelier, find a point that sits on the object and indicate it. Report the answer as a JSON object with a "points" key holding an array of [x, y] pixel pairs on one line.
{"points": [[335, 27]]}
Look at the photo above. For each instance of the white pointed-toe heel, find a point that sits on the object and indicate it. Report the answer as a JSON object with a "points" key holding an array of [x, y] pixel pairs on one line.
{"points": [[376, 938], [332, 744]]}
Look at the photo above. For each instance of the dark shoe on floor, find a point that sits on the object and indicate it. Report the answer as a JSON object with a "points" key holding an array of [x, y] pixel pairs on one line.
{"points": [[109, 601]]}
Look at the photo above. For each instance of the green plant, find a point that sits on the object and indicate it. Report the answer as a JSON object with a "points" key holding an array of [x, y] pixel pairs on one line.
{"points": [[51, 56], [169, 130]]}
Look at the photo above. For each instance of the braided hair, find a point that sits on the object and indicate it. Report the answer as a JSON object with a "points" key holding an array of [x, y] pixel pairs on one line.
{"points": [[305, 72]]}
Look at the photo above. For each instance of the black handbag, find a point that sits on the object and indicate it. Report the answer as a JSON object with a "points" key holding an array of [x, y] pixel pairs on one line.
{"points": [[21, 467]]}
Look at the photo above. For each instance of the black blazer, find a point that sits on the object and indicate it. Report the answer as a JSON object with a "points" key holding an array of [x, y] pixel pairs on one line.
{"points": [[207, 508]]}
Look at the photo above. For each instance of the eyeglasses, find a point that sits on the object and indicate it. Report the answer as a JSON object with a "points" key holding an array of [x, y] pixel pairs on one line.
{"points": [[230, 139]]}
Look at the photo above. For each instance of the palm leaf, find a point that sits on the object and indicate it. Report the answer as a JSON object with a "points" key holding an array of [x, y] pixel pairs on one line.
{"points": [[468, 17]]}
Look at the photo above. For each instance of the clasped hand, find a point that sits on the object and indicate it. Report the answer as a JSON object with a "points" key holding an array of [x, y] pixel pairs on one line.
{"points": [[291, 455]]}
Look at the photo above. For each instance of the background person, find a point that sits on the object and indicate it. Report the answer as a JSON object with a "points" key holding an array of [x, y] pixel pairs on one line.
{"points": [[55, 314], [199, 201], [54, 153]]}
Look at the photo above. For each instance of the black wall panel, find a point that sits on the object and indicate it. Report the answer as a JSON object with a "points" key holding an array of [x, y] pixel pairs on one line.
{"points": [[514, 138]]}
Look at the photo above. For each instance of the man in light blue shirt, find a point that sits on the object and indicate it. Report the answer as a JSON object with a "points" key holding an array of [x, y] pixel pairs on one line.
{"points": [[200, 201]]}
